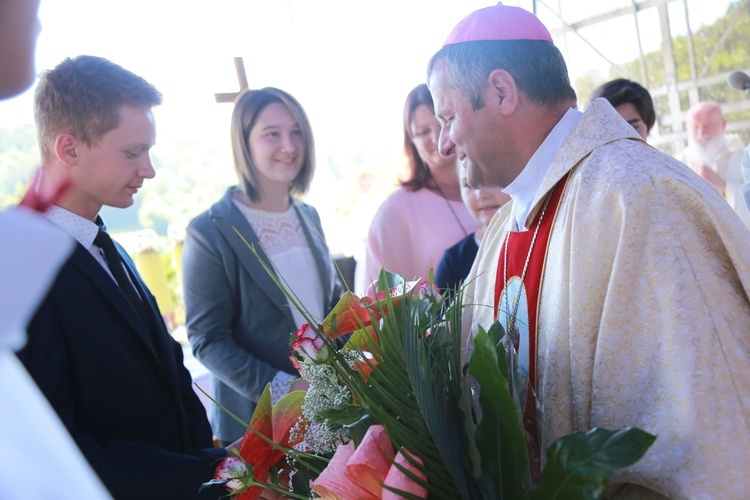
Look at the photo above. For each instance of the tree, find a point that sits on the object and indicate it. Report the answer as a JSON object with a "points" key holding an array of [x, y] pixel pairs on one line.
{"points": [[19, 156], [734, 54]]}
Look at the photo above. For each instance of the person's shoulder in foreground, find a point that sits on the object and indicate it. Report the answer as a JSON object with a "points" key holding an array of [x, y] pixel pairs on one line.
{"points": [[31, 253], [115, 377]]}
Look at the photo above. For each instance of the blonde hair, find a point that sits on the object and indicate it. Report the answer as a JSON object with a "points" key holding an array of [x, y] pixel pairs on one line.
{"points": [[83, 96], [247, 107]]}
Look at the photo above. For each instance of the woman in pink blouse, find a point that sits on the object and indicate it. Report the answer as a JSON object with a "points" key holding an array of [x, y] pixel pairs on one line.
{"points": [[425, 215]]}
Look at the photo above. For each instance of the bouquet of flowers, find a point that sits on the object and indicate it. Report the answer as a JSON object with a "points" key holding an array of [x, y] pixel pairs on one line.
{"points": [[394, 413]]}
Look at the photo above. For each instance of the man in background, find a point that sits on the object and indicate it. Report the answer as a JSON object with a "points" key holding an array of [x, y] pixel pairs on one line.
{"points": [[714, 155]]}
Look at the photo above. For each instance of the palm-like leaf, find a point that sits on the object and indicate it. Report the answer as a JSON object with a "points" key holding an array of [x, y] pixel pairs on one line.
{"points": [[412, 390], [415, 388]]}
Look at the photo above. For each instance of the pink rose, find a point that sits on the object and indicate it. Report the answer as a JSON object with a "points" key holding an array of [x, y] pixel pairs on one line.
{"points": [[310, 346]]}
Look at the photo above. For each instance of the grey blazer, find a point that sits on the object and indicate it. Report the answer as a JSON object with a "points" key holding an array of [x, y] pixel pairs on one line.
{"points": [[238, 321]]}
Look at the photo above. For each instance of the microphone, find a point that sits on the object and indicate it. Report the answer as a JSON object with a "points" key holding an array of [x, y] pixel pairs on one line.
{"points": [[738, 80]]}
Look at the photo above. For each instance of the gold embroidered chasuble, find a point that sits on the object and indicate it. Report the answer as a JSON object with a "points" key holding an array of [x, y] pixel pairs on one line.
{"points": [[644, 309]]}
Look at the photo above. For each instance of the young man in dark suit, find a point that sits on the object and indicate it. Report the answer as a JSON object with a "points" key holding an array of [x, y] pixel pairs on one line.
{"points": [[98, 347]]}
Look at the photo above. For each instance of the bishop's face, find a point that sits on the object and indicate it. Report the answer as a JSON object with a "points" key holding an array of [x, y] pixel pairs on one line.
{"points": [[475, 136]]}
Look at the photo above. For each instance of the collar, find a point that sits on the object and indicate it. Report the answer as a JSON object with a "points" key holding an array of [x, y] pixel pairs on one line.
{"points": [[80, 228], [524, 188]]}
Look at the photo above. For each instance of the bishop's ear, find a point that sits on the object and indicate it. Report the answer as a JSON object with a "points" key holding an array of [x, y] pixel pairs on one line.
{"points": [[502, 91], [66, 148]]}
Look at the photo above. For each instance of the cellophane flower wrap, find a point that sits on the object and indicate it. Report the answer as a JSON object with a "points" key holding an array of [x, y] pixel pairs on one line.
{"points": [[397, 394]]}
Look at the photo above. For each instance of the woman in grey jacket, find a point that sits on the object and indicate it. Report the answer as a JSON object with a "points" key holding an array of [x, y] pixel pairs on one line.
{"points": [[238, 321]]}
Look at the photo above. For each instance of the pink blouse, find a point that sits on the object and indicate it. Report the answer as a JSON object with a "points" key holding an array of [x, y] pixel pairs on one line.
{"points": [[409, 233]]}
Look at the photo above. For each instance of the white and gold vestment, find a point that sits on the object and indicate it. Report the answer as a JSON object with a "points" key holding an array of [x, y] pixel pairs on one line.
{"points": [[644, 316]]}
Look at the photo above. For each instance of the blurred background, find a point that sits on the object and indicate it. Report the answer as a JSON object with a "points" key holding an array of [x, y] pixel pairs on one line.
{"points": [[351, 64]]}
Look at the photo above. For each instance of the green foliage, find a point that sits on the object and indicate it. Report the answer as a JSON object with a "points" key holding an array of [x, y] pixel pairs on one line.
{"points": [[580, 464], [305, 473], [352, 418], [500, 428], [734, 54], [409, 393], [586, 83], [433, 366], [190, 177], [419, 392], [19, 157]]}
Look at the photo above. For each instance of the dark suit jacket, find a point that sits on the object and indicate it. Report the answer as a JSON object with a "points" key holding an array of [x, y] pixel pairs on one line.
{"points": [[237, 318], [455, 265], [120, 388]]}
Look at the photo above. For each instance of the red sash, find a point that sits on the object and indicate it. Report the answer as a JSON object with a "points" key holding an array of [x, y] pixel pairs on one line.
{"points": [[518, 244]]}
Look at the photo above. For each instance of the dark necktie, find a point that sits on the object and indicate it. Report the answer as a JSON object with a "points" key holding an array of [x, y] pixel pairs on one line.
{"points": [[115, 264]]}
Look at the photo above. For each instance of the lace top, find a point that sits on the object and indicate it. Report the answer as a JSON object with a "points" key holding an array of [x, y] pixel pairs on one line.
{"points": [[283, 239]]}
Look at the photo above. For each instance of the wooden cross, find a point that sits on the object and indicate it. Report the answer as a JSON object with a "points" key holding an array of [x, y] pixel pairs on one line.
{"points": [[239, 66]]}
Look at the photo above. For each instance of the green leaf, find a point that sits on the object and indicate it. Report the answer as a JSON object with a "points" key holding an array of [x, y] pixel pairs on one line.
{"points": [[497, 333], [436, 392], [342, 416], [274, 478], [353, 418], [500, 438], [388, 280], [402, 379], [304, 473], [580, 464]]}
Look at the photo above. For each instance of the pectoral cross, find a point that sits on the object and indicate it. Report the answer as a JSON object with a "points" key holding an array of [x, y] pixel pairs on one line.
{"points": [[239, 66]]}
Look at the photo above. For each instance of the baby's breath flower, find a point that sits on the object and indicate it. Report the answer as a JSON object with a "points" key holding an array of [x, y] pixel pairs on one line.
{"points": [[325, 393]]}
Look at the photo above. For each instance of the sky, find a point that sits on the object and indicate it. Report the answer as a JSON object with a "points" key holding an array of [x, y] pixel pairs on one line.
{"points": [[350, 63]]}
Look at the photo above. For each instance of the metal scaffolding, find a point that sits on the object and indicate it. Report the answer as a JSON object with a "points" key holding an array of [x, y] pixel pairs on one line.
{"points": [[673, 94]]}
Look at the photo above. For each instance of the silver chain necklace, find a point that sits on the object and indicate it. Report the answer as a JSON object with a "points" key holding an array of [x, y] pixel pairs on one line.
{"points": [[511, 323]]}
